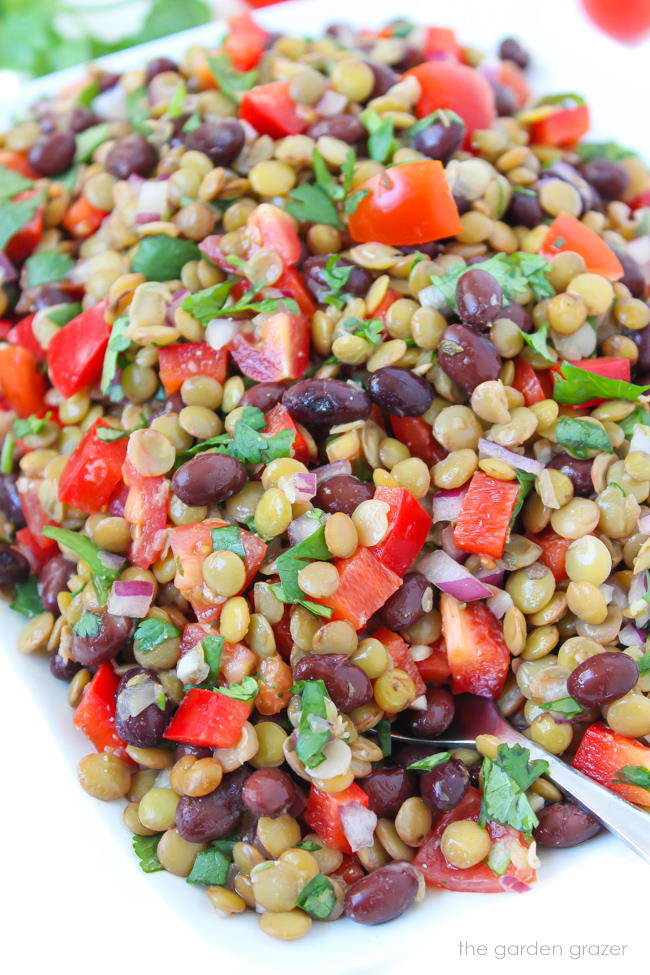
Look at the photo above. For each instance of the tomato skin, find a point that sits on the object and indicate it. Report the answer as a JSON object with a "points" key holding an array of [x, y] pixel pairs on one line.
{"points": [[399, 653], [602, 753], [24, 242], [95, 713], [281, 353], [529, 383], [17, 161], [21, 382], [269, 226], [440, 44], [484, 521], [566, 233], [408, 527], [562, 128], [292, 284], [407, 204], [628, 22], [208, 719], [245, 43], [146, 511], [76, 353], [82, 219], [323, 814], [271, 110], [456, 87], [510, 75], [92, 471], [435, 669], [554, 549], [278, 419], [275, 678], [418, 436], [178, 362], [22, 334], [476, 651]]}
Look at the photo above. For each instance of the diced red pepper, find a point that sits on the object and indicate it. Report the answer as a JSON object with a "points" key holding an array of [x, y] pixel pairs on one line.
{"points": [[365, 583], [269, 226], [281, 353], [278, 419], [399, 652], [562, 128], [408, 527], [82, 219], [208, 719], [418, 436], [323, 814], [476, 651], [22, 334], [609, 366], [271, 110], [35, 516], [34, 551], [146, 511], [17, 161], [389, 299], [349, 871], [92, 471], [435, 669], [510, 75], [567, 233], [21, 382], [95, 714], [554, 551], [446, 84], [275, 680], [602, 754], [177, 363], [25, 241], [530, 383], [479, 879], [76, 353], [440, 44], [292, 284], [484, 520], [246, 42], [642, 200]]}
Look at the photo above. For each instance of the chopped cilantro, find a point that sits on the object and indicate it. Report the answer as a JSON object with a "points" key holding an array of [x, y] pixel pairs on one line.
{"points": [[313, 732], [62, 314], [151, 633], [354, 199], [564, 705], [162, 258], [12, 183], [102, 576], [381, 141], [247, 444], [246, 691], [580, 436], [310, 846], [290, 563], [309, 203], [324, 178], [318, 897], [336, 277], [232, 83], [426, 764], [611, 151], [443, 115], [384, 740], [177, 101], [526, 481], [212, 647], [347, 170], [638, 415], [211, 303], [46, 267], [634, 775], [145, 849], [118, 342], [210, 869], [87, 625], [370, 329], [538, 342], [643, 664], [228, 539], [91, 139], [15, 214], [576, 386], [31, 426], [515, 273], [138, 110], [26, 598], [505, 781], [7, 453]]}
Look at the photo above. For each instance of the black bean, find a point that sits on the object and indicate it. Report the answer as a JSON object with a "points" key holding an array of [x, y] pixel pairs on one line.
{"points": [[80, 118], [52, 154], [559, 169], [211, 817], [511, 50], [400, 391], [383, 894], [387, 788], [268, 792], [263, 395], [435, 719], [609, 179], [220, 141], [467, 357], [346, 683], [14, 567], [208, 479], [633, 277], [145, 729], [384, 77], [345, 127], [479, 298], [578, 472], [519, 315], [112, 637], [603, 678], [342, 493], [326, 402], [641, 338], [505, 100], [10, 500], [313, 269], [131, 155], [56, 294], [63, 669], [197, 750], [439, 141], [52, 580], [411, 601], [525, 211], [157, 66], [444, 786], [565, 824]]}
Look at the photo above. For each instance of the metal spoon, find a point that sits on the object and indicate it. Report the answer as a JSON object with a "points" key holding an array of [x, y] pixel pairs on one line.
{"points": [[479, 716]]}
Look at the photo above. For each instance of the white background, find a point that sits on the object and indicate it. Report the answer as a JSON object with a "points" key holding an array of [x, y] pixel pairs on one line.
{"points": [[74, 897]]}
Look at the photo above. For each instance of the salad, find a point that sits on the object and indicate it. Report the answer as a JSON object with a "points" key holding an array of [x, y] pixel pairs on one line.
{"points": [[324, 369]]}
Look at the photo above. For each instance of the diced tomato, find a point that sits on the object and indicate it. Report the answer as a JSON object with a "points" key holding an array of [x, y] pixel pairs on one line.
{"points": [[271, 110], [418, 436], [479, 879], [459, 88], [642, 200], [282, 633], [435, 669], [269, 226], [529, 382], [237, 661], [35, 516], [146, 512], [95, 713], [5, 328], [365, 584], [21, 382], [82, 219], [34, 551], [92, 471], [628, 22], [484, 521], [349, 871], [117, 500], [246, 42], [407, 204], [76, 353], [554, 551], [323, 814], [389, 299], [275, 678], [510, 75], [178, 362], [208, 719], [399, 652], [440, 44], [292, 284], [281, 353], [566, 233], [602, 754], [25, 241], [608, 366], [17, 161], [562, 128], [408, 527], [23, 334], [476, 651], [278, 419]]}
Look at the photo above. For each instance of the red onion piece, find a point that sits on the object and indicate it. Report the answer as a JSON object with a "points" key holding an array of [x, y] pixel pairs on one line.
{"points": [[631, 636], [299, 487], [639, 250], [135, 182], [152, 201], [358, 824], [446, 505], [177, 300], [513, 884], [644, 524], [499, 603], [301, 528], [331, 103], [220, 331], [449, 545], [332, 470], [130, 598], [7, 271], [491, 577], [490, 449], [449, 576]]}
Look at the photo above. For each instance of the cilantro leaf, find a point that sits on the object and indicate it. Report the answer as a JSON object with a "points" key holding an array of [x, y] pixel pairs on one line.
{"points": [[193, 121], [611, 151], [7, 453], [247, 444], [232, 83], [87, 625], [318, 898], [290, 563], [162, 258], [384, 740], [310, 846], [151, 633], [62, 314], [639, 415], [354, 199], [309, 203], [210, 869], [26, 598], [505, 781], [513, 272], [88, 93], [381, 142], [91, 139], [228, 539], [212, 647], [30, 426], [246, 691], [576, 386], [111, 434], [426, 764], [177, 101], [46, 267], [526, 481], [138, 110], [324, 178], [370, 329], [643, 664], [15, 214], [538, 342], [12, 183], [313, 731], [580, 436], [564, 705], [347, 170], [633, 775], [118, 342], [145, 849], [442, 115], [206, 304], [336, 277], [102, 575]]}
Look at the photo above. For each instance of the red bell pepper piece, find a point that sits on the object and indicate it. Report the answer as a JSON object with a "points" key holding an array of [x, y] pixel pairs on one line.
{"points": [[21, 382], [35, 516], [246, 42], [17, 161], [92, 471], [365, 583], [399, 652], [479, 879], [271, 110], [146, 512], [292, 284], [269, 226], [281, 353], [275, 680], [510, 75], [562, 128], [602, 754], [408, 527], [23, 334], [208, 719], [350, 870], [484, 520], [418, 436], [476, 651], [323, 814], [389, 299], [32, 547], [530, 383], [440, 44], [95, 714], [608, 366], [82, 219], [642, 200], [178, 362], [445, 84], [278, 419], [76, 353], [435, 669], [554, 551], [566, 233], [24, 242]]}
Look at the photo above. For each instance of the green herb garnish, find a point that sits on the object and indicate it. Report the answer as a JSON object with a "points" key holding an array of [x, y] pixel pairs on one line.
{"points": [[162, 258], [150, 633], [581, 436], [26, 598], [564, 705], [633, 775], [515, 273], [576, 386], [15, 214], [118, 342], [426, 764], [232, 83], [309, 203], [246, 691], [102, 576], [311, 737], [336, 277], [381, 141], [145, 849], [210, 869], [12, 183], [87, 625], [318, 897], [290, 563], [505, 781]]}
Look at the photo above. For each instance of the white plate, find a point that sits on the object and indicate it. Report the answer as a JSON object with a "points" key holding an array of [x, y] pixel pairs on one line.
{"points": [[72, 860]]}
